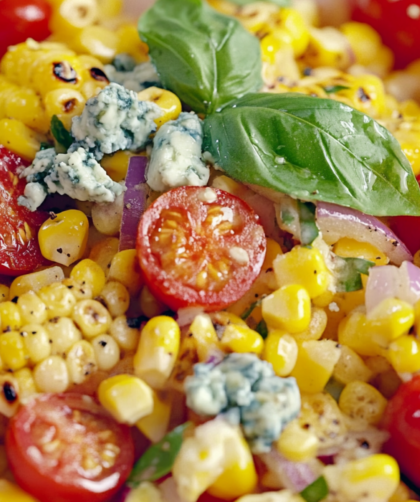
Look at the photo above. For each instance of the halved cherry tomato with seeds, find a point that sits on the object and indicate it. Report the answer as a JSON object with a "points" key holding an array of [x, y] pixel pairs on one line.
{"points": [[200, 246]]}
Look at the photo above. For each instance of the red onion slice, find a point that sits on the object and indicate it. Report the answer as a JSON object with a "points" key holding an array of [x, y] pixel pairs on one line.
{"points": [[336, 222], [135, 198]]}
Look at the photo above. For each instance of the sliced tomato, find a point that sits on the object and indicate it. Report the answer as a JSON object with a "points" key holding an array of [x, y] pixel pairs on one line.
{"points": [[66, 448], [19, 249], [200, 246]]}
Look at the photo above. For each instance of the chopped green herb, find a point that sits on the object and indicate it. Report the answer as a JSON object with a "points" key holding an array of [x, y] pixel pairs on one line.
{"points": [[332, 89], [348, 272], [334, 388], [60, 133], [249, 310], [316, 491], [308, 229], [287, 216], [262, 329]]}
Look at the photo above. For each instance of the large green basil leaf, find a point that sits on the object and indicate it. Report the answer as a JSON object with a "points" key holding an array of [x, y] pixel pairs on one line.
{"points": [[207, 59], [313, 149], [280, 3]]}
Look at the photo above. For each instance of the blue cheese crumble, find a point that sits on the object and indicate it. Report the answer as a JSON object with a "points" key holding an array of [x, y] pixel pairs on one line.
{"points": [[114, 120], [123, 71], [176, 155], [247, 391], [76, 174]]}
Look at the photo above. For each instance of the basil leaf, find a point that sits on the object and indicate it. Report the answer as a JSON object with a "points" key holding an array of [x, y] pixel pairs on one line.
{"points": [[313, 149], [60, 133], [308, 229], [331, 89], [207, 59], [280, 3], [348, 270], [262, 329], [158, 460], [316, 491]]}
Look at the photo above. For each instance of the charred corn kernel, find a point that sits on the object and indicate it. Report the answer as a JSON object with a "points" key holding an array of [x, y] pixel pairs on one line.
{"points": [[305, 267], [130, 43], [9, 395], [149, 305], [297, 444], [51, 375], [92, 76], [103, 253], [204, 335], [366, 94], [37, 342], [328, 47], [12, 351], [55, 70], [404, 354], [281, 351], [63, 238], [35, 281], [354, 332], [116, 297], [10, 316], [315, 364], [81, 361], [288, 308], [4, 293], [107, 352], [62, 334], [316, 327], [389, 320], [32, 309], [351, 367], [362, 401], [26, 385], [70, 16], [65, 104], [127, 337], [97, 41], [364, 40], [79, 291], [350, 248], [88, 273], [125, 269], [116, 165], [92, 318], [58, 300], [157, 351], [375, 478], [167, 101], [126, 397], [18, 138], [155, 425], [11, 492], [291, 21], [241, 339]]}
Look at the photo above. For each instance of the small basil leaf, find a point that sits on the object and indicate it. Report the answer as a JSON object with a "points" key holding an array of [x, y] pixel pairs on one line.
{"points": [[348, 270], [158, 460], [60, 133], [280, 3], [316, 491], [313, 149], [207, 59], [308, 229], [262, 329], [331, 89]]}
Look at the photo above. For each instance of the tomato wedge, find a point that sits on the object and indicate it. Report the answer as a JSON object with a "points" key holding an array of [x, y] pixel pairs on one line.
{"points": [[200, 246], [66, 448], [19, 249]]}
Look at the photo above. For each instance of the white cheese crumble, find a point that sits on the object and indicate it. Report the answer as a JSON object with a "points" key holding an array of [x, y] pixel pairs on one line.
{"points": [[136, 79], [239, 255], [208, 195], [333, 307], [176, 155]]}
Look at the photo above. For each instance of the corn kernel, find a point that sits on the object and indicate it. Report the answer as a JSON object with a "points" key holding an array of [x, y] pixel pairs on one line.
{"points": [[149, 305], [351, 367], [107, 352], [362, 401], [103, 253], [37, 342], [116, 298], [204, 336], [26, 385], [32, 309], [241, 339], [364, 40], [70, 16], [155, 425], [65, 104], [116, 165], [97, 41], [89, 273], [292, 22], [64, 238], [58, 299], [354, 332], [35, 281], [77, 290], [126, 337], [80, 361], [389, 320], [4, 293], [62, 334], [401, 494], [10, 316], [126, 397], [11, 492], [350, 248], [92, 318], [288, 308], [328, 47], [167, 101], [130, 43], [316, 327], [297, 444], [51, 375], [281, 351], [125, 269], [404, 354]]}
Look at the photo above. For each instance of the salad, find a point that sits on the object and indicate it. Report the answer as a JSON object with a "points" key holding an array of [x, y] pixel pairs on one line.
{"points": [[209, 252]]}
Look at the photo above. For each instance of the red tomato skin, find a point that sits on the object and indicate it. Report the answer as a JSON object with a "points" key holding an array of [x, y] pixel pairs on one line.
{"points": [[402, 420], [22, 19], [398, 23], [173, 293], [43, 486]]}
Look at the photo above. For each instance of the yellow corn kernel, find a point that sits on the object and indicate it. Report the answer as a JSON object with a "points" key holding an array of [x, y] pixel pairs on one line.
{"points": [[401, 494], [155, 425], [51, 375], [11, 492], [328, 47], [89, 273], [18, 138], [92, 76], [149, 305], [116, 165], [63, 238], [32, 309], [97, 41], [70, 16], [272, 43], [281, 351], [351, 367], [103, 253], [126, 337], [58, 299], [389, 320], [37, 342], [364, 40], [409, 142], [65, 103], [125, 269], [293, 23], [204, 336], [256, 15], [316, 327], [350, 248], [241, 339], [157, 351], [25, 105], [12, 351], [92, 318], [323, 300], [145, 492], [272, 250], [110, 8], [130, 43], [79, 291], [10, 316], [126, 397], [4, 293], [354, 332], [167, 101], [297, 444], [404, 354], [367, 94], [315, 364], [9, 395], [26, 385], [362, 401], [305, 267], [116, 297], [107, 352], [63, 334], [229, 185], [288, 308], [80, 361], [35, 281]]}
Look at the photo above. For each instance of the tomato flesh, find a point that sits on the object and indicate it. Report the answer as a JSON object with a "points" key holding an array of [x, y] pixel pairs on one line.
{"points": [[66, 448], [200, 247]]}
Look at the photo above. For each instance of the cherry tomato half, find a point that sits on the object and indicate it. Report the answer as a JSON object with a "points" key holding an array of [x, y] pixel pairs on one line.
{"points": [[402, 421], [398, 23], [19, 249], [200, 246], [66, 448], [22, 19]]}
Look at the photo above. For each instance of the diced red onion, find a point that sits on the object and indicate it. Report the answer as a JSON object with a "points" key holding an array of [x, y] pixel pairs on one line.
{"points": [[134, 201], [336, 222], [264, 208], [169, 491], [187, 315]]}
